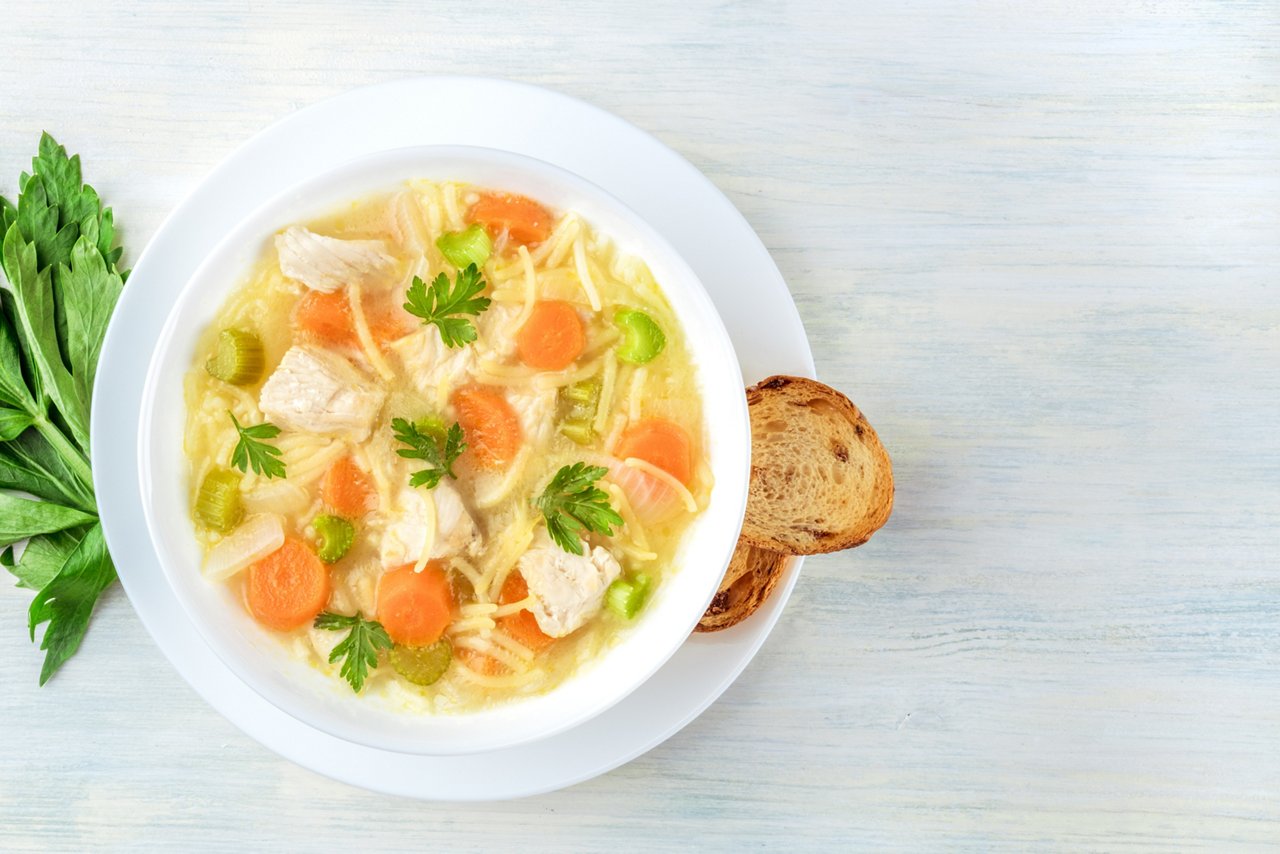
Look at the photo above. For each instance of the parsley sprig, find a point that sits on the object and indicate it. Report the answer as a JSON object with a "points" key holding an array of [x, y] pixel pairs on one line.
{"points": [[358, 651], [251, 452], [572, 503], [441, 305], [441, 450]]}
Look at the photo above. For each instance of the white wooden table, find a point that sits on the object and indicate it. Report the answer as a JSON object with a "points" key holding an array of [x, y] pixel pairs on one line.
{"points": [[1038, 243]]}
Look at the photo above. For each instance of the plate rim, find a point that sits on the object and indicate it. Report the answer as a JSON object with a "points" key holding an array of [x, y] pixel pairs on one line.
{"points": [[117, 349]]}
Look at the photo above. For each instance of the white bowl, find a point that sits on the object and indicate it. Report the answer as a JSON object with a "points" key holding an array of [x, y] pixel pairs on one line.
{"points": [[326, 703]]}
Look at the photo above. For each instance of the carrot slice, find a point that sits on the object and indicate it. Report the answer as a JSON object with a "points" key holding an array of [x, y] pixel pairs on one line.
{"points": [[524, 220], [415, 607], [486, 665], [287, 588], [552, 337], [662, 443], [327, 318], [347, 490], [522, 626], [491, 426]]}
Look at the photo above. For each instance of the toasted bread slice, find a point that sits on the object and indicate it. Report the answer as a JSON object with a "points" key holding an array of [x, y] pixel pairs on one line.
{"points": [[750, 578], [820, 479]]}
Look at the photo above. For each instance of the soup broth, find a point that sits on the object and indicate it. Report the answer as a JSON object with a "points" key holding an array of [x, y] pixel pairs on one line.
{"points": [[328, 404]]}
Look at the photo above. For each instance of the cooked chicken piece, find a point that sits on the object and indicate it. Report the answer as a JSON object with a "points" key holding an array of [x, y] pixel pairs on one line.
{"points": [[317, 391], [494, 328], [405, 537], [327, 263], [429, 363], [537, 411], [568, 589]]}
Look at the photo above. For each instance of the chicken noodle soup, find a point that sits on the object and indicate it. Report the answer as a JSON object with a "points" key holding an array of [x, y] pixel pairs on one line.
{"points": [[445, 443]]}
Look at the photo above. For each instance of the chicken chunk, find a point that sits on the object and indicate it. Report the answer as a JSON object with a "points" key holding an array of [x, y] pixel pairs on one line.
{"points": [[317, 391], [537, 411], [327, 263], [494, 328], [430, 365], [405, 536], [568, 589]]}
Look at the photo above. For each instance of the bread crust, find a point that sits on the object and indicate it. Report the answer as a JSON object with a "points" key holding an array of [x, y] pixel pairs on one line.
{"points": [[747, 583], [821, 481]]}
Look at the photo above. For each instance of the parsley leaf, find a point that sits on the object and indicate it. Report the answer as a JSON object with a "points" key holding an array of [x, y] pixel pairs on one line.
{"points": [[440, 451], [438, 304], [251, 452], [572, 503], [359, 649]]}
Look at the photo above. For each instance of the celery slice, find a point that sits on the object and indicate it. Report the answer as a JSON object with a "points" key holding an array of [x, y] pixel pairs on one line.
{"points": [[578, 431], [336, 536], [237, 357], [625, 598], [469, 246], [218, 503], [642, 338], [422, 665]]}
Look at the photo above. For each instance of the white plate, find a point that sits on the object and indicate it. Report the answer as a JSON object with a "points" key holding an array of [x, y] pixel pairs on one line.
{"points": [[662, 187]]}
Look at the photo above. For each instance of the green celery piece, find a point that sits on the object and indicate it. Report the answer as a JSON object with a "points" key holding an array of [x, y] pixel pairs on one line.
{"points": [[43, 557], [24, 517], [218, 503], [626, 598], [578, 432], [469, 246], [336, 536], [66, 602], [422, 665], [642, 338], [433, 426], [88, 290]]}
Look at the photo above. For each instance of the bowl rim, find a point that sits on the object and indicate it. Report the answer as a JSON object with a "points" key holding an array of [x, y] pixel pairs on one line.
{"points": [[264, 220]]}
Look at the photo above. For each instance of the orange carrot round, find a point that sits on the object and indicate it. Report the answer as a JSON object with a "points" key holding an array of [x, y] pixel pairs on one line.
{"points": [[491, 426], [287, 588], [415, 607], [346, 489], [486, 665], [661, 443], [521, 626], [524, 220], [326, 317], [552, 337]]}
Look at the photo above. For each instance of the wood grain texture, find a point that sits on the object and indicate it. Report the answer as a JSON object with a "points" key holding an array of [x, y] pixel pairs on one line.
{"points": [[1037, 243]]}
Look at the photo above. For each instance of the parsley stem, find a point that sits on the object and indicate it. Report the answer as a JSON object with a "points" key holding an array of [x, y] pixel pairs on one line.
{"points": [[72, 457]]}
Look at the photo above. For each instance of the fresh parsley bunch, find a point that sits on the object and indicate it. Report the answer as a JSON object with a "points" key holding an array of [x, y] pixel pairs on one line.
{"points": [[61, 285]]}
